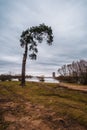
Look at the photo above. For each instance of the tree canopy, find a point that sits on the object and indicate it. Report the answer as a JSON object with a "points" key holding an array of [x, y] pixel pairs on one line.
{"points": [[34, 35]]}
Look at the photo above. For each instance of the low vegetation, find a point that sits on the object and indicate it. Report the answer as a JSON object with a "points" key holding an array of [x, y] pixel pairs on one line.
{"points": [[40, 104]]}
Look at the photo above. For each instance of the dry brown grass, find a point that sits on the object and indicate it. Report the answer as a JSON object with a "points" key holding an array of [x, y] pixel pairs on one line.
{"points": [[40, 106]]}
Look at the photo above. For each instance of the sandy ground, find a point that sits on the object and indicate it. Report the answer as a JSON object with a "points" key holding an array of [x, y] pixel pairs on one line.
{"points": [[27, 116]]}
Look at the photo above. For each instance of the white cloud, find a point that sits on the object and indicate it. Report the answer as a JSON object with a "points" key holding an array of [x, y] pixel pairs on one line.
{"points": [[68, 20], [10, 58]]}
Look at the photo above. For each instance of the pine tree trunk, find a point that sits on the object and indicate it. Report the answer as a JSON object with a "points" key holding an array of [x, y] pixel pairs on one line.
{"points": [[24, 66]]}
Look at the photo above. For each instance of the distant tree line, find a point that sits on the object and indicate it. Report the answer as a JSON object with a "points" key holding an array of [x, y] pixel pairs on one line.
{"points": [[4, 77], [9, 77], [76, 72]]}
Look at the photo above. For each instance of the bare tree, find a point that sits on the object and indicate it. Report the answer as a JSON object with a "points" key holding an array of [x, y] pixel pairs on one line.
{"points": [[74, 72]]}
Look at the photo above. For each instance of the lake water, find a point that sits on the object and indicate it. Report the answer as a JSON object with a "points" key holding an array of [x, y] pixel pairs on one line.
{"points": [[35, 79], [46, 80]]}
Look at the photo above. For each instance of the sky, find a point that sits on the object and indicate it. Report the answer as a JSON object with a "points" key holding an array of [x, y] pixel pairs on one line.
{"points": [[68, 20]]}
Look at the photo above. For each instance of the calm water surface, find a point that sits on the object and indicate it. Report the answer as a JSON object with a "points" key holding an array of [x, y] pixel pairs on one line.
{"points": [[47, 80], [35, 79]]}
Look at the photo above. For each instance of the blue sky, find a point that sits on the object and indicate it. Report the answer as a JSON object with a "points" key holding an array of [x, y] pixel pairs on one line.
{"points": [[68, 19]]}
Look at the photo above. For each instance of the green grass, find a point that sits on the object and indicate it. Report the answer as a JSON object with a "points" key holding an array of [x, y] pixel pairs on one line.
{"points": [[67, 103]]}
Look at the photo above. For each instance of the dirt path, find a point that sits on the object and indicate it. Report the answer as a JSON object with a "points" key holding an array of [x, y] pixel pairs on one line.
{"points": [[74, 87]]}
